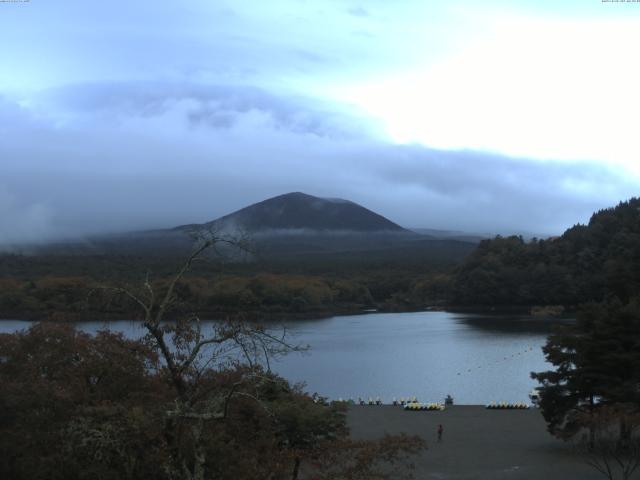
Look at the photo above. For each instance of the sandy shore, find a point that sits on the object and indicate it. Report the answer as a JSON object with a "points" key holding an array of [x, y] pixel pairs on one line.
{"points": [[477, 443]]}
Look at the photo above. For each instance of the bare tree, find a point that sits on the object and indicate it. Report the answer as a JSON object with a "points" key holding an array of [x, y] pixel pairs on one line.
{"points": [[188, 354], [613, 446]]}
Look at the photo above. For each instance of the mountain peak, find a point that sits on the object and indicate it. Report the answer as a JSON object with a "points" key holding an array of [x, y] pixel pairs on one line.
{"points": [[301, 196], [296, 211]]}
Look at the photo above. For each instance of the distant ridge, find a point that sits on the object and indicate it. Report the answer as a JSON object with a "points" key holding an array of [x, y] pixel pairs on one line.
{"points": [[298, 211], [292, 229]]}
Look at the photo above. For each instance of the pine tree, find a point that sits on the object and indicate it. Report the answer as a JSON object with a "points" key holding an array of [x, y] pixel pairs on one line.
{"points": [[597, 363]]}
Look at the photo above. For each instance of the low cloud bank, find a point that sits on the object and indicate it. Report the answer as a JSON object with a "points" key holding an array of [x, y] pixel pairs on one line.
{"points": [[103, 158], [22, 223]]}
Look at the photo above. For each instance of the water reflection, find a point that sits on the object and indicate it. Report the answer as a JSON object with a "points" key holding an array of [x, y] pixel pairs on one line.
{"points": [[512, 324]]}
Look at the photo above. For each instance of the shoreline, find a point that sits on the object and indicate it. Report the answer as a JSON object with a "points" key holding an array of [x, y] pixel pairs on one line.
{"points": [[268, 316]]}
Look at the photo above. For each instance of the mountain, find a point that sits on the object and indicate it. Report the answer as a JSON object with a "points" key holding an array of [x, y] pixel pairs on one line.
{"points": [[294, 228], [587, 263], [300, 228], [299, 213]]}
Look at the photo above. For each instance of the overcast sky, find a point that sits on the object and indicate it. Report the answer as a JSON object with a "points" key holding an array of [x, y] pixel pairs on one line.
{"points": [[494, 116]]}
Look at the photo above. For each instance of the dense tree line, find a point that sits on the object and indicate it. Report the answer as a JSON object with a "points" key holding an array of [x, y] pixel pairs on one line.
{"points": [[69, 298], [55, 285], [587, 263]]}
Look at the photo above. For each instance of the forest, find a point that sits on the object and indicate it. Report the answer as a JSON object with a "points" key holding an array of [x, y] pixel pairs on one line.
{"points": [[60, 287], [587, 263]]}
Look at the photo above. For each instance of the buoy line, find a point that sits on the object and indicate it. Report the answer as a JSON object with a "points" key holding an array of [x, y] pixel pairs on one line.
{"points": [[513, 355]]}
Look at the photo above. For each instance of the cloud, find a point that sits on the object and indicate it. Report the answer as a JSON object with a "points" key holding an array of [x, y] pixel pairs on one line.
{"points": [[22, 222], [216, 106], [477, 190], [554, 88], [358, 11], [168, 115], [121, 157]]}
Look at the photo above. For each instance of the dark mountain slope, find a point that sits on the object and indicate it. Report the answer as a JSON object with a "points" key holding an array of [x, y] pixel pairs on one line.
{"points": [[587, 263], [291, 228], [299, 211]]}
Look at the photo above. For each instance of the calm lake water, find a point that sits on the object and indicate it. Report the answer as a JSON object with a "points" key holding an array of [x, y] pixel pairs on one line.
{"points": [[475, 358]]}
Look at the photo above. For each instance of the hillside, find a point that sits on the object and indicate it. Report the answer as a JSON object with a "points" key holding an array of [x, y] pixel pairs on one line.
{"points": [[299, 212], [294, 228], [588, 262]]}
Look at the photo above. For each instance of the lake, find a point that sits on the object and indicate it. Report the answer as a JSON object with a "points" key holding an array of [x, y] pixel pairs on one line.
{"points": [[477, 358]]}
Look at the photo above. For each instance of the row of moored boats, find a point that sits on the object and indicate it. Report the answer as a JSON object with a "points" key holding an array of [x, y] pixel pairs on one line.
{"points": [[508, 406], [412, 403]]}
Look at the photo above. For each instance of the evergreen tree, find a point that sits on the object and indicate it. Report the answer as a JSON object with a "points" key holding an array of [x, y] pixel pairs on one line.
{"points": [[587, 263], [597, 363]]}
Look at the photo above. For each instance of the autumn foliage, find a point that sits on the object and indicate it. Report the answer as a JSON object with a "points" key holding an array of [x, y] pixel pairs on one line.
{"points": [[76, 406]]}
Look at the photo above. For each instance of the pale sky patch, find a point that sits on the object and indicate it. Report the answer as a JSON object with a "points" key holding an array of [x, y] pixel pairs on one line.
{"points": [[541, 88]]}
